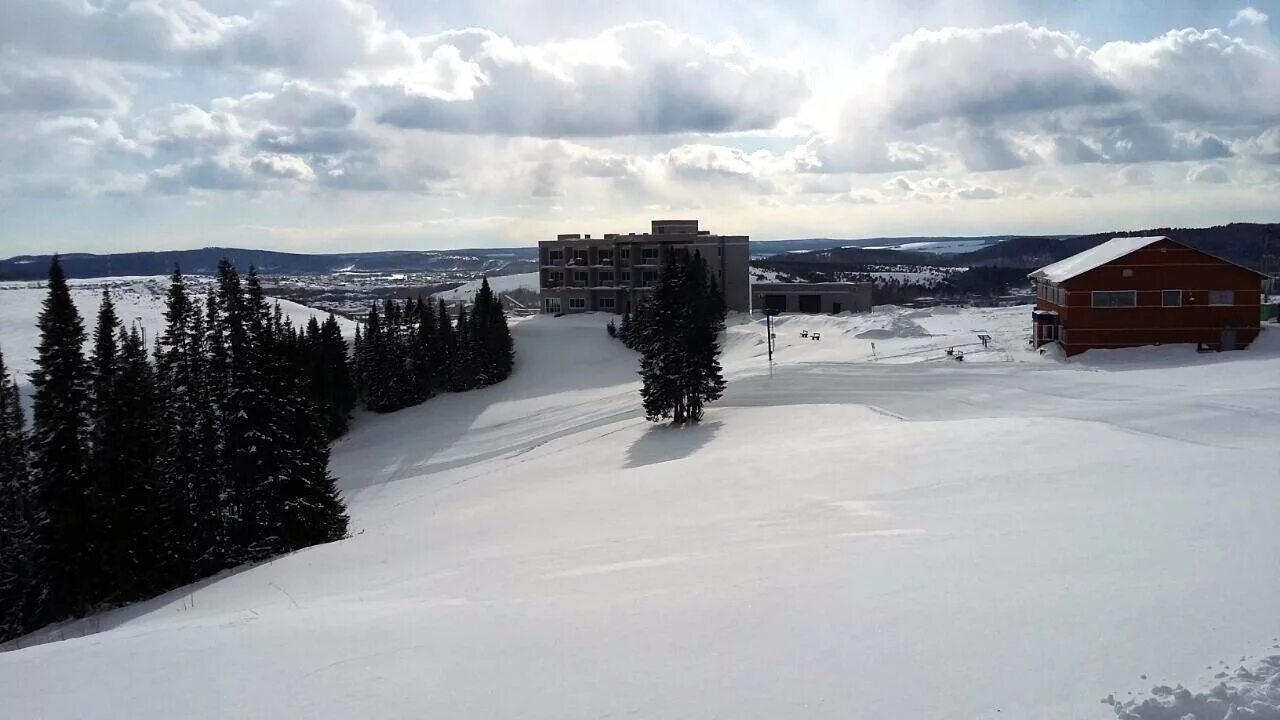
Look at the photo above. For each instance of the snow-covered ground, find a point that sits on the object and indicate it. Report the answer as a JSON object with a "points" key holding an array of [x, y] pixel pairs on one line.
{"points": [[139, 301], [466, 292], [849, 534]]}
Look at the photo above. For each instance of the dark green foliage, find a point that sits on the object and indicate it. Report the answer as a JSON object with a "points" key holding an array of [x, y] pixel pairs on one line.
{"points": [[405, 353], [144, 478], [22, 588], [676, 331], [59, 457], [123, 461], [329, 378]]}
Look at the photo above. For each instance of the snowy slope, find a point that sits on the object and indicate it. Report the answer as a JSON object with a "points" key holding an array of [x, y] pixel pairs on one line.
{"points": [[139, 300], [466, 292], [848, 535]]}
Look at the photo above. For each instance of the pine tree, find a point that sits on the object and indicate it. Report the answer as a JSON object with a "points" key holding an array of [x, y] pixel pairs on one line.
{"points": [[425, 351], [448, 348], [22, 584], [189, 462], [464, 356], [491, 337], [106, 445], [59, 440], [676, 331], [137, 538]]}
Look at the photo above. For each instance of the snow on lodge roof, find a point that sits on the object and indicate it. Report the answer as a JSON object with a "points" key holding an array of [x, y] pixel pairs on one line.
{"points": [[1113, 249]]}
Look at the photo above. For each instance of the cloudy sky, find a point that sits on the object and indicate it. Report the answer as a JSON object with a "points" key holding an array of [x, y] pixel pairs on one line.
{"points": [[322, 125]]}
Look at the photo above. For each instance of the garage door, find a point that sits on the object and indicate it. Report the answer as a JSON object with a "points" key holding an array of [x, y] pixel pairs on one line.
{"points": [[775, 302]]}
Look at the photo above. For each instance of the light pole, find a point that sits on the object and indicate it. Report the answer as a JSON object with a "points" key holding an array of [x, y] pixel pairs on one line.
{"points": [[768, 324]]}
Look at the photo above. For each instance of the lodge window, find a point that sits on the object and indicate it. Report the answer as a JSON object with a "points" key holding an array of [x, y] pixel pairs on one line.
{"points": [[1222, 297], [580, 276], [605, 303], [551, 305], [1171, 298], [1115, 298], [649, 253], [626, 276], [554, 256], [606, 277], [649, 276], [577, 303], [624, 254]]}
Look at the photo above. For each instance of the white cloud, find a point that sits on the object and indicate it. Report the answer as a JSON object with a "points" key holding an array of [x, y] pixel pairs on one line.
{"points": [[296, 104], [43, 85], [984, 73], [636, 79], [1208, 174], [1195, 75], [1249, 16], [188, 130]]}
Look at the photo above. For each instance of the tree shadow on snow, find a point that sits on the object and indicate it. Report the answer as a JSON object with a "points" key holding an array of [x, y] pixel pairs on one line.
{"points": [[663, 443]]}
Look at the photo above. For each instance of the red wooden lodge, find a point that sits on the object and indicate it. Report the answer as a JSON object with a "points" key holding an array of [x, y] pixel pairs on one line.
{"points": [[1145, 291]]}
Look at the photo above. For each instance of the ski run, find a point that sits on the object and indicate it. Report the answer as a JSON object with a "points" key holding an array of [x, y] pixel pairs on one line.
{"points": [[865, 529]]}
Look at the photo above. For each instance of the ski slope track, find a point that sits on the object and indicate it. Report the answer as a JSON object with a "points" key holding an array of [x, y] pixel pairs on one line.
{"points": [[853, 532]]}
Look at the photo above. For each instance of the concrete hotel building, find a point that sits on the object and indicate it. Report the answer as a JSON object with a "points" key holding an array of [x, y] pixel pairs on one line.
{"points": [[580, 273]]}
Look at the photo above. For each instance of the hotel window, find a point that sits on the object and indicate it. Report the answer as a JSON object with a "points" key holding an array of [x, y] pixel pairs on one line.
{"points": [[580, 276], [626, 276], [577, 303], [605, 303], [606, 277], [551, 305], [649, 276], [1171, 298], [649, 254], [555, 256], [1115, 298], [1222, 297], [624, 254]]}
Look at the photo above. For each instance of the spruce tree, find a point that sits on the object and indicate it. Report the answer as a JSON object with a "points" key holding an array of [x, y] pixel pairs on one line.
{"points": [[425, 351], [106, 445], [448, 348], [676, 331], [491, 337], [22, 583], [464, 356], [137, 533], [59, 442]]}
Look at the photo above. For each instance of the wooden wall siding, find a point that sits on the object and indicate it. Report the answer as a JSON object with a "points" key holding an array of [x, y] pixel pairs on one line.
{"points": [[1165, 265]]}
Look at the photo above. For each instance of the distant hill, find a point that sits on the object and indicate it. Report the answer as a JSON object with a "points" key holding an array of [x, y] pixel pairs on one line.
{"points": [[497, 261], [1237, 242]]}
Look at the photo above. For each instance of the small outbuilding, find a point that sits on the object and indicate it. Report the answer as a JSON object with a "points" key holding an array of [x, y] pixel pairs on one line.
{"points": [[1135, 291], [827, 297]]}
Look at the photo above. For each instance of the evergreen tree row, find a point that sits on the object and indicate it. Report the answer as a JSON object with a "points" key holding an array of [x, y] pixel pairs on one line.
{"points": [[140, 476], [407, 352], [676, 331]]}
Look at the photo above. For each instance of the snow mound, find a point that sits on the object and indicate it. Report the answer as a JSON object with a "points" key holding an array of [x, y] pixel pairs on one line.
{"points": [[900, 326], [1253, 694]]}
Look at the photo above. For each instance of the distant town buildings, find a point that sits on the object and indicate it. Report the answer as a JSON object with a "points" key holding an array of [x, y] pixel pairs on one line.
{"points": [[580, 273], [1145, 291]]}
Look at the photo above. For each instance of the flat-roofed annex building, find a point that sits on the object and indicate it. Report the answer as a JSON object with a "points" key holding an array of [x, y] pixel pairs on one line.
{"points": [[828, 297], [1133, 291], [580, 273]]}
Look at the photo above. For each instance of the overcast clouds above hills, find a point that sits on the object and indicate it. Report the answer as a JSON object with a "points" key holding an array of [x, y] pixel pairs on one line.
{"points": [[338, 124]]}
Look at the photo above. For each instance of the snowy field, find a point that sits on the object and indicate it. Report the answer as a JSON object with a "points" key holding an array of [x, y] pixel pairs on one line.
{"points": [[139, 301], [851, 533]]}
